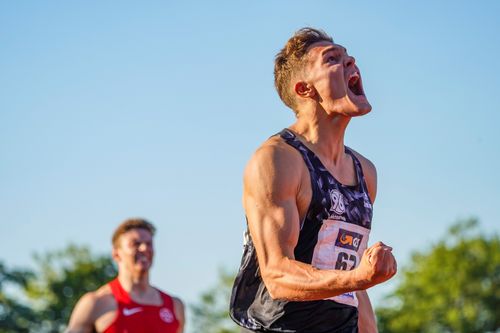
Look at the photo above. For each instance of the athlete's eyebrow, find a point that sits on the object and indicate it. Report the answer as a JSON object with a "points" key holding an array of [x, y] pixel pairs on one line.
{"points": [[333, 48]]}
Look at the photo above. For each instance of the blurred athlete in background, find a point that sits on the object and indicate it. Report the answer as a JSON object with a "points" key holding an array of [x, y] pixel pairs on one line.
{"points": [[129, 304]]}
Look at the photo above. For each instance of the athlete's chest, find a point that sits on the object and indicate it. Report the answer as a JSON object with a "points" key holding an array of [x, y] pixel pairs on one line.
{"points": [[321, 197], [127, 316], [143, 319]]}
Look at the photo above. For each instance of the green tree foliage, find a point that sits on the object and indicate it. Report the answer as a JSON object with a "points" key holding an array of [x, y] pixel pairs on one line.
{"points": [[63, 277], [14, 316], [453, 287], [211, 314]]}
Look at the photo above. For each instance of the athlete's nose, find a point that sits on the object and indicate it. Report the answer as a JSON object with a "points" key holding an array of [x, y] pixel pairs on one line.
{"points": [[143, 247], [349, 61]]}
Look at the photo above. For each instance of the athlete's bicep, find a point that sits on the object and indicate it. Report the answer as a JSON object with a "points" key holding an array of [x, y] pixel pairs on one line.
{"points": [[274, 228], [81, 320], [270, 190]]}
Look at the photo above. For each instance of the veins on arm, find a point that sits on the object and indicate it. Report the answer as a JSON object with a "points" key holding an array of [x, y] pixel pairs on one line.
{"points": [[271, 187]]}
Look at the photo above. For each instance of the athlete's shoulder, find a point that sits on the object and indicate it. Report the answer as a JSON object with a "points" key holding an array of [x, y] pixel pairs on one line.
{"points": [[175, 299], [370, 173], [275, 164], [179, 312], [178, 307], [366, 164], [99, 298], [276, 153], [94, 297], [88, 308], [103, 292]]}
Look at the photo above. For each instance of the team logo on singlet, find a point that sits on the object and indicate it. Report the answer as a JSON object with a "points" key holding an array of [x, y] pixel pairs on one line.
{"points": [[348, 239], [166, 315], [338, 205]]}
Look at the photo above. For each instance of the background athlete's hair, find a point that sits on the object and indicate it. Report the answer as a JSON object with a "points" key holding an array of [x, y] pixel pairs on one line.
{"points": [[129, 224]]}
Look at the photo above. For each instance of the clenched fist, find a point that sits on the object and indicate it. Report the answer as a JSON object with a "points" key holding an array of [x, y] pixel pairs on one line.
{"points": [[377, 265]]}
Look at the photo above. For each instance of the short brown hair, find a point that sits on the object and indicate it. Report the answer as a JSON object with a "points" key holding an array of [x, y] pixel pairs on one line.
{"points": [[129, 224], [291, 59]]}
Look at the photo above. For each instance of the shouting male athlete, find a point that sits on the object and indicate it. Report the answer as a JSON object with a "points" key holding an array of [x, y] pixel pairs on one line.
{"points": [[129, 304], [308, 202]]}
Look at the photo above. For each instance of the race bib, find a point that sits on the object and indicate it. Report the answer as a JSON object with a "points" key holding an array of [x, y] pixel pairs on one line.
{"points": [[340, 246]]}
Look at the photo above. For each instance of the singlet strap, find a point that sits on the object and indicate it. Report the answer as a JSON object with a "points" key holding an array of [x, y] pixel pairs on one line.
{"points": [[313, 162], [168, 301], [359, 171], [319, 180], [308, 156], [120, 294]]}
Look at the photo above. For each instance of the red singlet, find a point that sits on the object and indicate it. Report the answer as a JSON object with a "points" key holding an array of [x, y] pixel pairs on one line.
{"points": [[133, 317]]}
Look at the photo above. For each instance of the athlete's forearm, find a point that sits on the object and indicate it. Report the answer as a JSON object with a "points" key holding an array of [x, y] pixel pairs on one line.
{"points": [[293, 280]]}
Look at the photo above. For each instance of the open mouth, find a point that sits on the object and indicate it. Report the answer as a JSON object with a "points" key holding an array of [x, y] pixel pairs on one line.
{"points": [[142, 259], [354, 84]]}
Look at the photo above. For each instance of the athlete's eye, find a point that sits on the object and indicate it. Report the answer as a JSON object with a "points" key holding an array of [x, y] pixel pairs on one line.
{"points": [[333, 58]]}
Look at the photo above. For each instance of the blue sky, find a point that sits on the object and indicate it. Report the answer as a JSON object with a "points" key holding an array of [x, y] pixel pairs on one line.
{"points": [[117, 109]]}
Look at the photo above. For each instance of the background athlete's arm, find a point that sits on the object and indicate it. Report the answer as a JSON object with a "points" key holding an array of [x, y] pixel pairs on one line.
{"points": [[271, 185], [367, 322], [366, 317], [82, 317], [179, 313]]}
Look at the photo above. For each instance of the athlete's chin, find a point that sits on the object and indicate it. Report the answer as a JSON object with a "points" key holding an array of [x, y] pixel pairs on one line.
{"points": [[142, 268], [364, 109], [358, 110], [359, 106], [354, 105]]}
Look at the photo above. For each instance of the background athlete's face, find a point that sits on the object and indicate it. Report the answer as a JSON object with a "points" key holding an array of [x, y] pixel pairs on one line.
{"points": [[134, 252]]}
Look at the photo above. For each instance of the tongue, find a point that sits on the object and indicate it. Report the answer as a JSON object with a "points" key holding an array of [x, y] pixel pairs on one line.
{"points": [[354, 87], [352, 81]]}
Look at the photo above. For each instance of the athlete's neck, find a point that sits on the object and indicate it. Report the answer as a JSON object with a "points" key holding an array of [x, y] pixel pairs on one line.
{"points": [[137, 283], [323, 134]]}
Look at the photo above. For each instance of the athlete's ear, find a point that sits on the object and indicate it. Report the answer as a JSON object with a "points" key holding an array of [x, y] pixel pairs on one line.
{"points": [[304, 89], [114, 254]]}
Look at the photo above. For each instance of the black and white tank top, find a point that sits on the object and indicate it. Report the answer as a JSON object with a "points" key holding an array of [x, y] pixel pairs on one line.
{"points": [[333, 235]]}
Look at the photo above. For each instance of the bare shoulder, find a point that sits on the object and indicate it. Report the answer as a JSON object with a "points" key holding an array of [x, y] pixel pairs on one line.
{"points": [[370, 173], [179, 312], [83, 316], [275, 151], [274, 165], [177, 302], [88, 308], [95, 299], [88, 301], [368, 166], [104, 295]]}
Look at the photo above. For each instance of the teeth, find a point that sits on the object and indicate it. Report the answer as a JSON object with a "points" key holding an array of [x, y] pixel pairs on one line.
{"points": [[353, 84], [353, 79]]}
